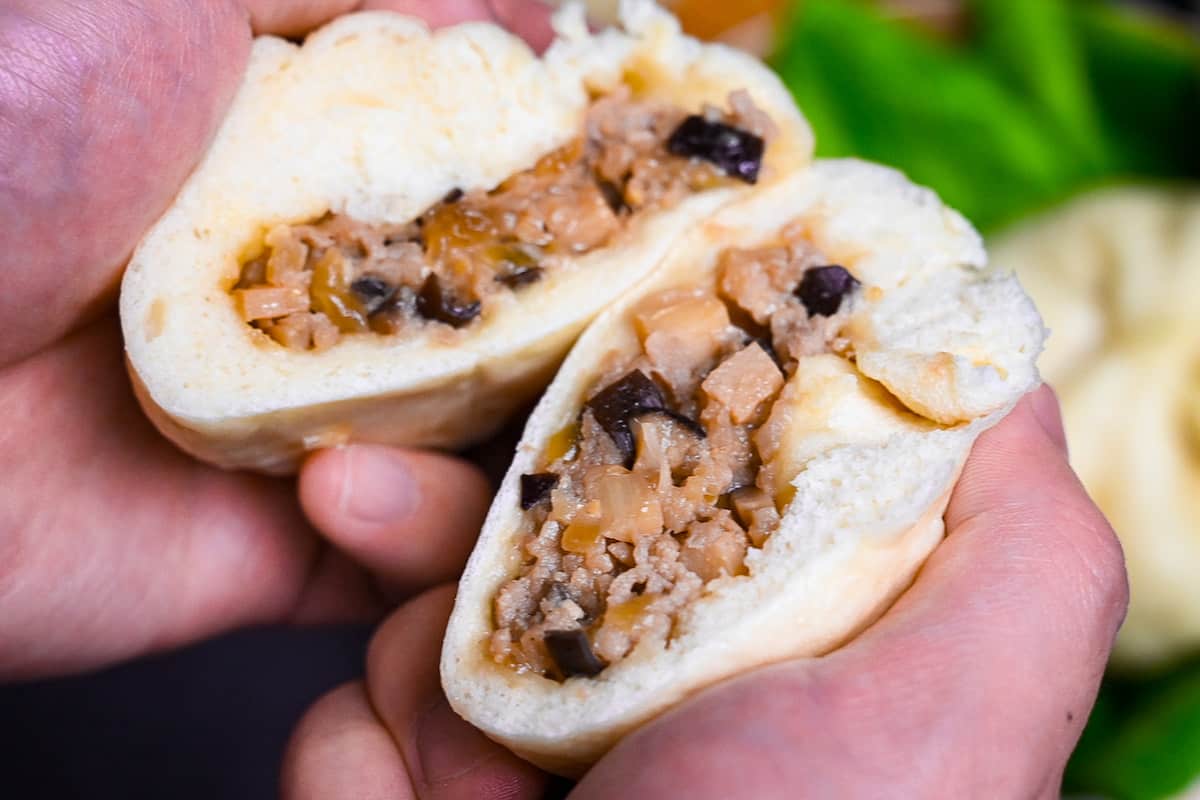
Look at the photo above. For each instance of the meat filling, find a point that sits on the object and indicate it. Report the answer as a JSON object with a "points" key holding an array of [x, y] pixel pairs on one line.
{"points": [[659, 488], [314, 282]]}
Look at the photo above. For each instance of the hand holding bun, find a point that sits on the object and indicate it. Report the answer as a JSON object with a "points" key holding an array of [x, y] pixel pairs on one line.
{"points": [[115, 544], [746, 457], [976, 683]]}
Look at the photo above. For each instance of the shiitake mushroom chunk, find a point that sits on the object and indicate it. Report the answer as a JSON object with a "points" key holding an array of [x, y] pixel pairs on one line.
{"points": [[536, 487], [822, 289], [632, 396], [434, 302], [735, 152], [621, 401], [373, 292], [572, 653]]}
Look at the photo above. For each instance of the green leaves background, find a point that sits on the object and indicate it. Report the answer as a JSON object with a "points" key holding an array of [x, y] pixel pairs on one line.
{"points": [[1047, 97]]}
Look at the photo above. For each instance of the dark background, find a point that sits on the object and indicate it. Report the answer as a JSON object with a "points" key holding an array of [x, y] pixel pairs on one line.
{"points": [[207, 722]]}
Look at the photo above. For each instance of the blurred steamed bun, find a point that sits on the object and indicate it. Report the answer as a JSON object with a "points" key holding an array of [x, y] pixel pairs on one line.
{"points": [[1116, 275]]}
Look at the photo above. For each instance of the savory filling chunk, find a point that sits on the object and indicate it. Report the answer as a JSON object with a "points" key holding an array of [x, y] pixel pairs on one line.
{"points": [[336, 275], [664, 482]]}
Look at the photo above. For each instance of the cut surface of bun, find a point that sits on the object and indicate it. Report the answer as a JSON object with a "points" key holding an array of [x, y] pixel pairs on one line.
{"points": [[941, 347], [378, 118]]}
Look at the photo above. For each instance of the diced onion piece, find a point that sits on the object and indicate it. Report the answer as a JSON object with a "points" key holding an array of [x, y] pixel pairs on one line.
{"points": [[714, 548], [270, 302], [629, 507], [624, 616], [580, 537]]}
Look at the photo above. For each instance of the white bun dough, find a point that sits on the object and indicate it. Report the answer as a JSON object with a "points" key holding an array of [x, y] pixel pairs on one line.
{"points": [[378, 118]]}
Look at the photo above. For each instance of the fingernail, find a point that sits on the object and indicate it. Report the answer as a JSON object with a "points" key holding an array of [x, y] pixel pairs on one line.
{"points": [[378, 486], [1049, 415], [448, 747]]}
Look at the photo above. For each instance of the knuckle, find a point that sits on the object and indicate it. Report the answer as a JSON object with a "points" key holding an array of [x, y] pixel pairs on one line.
{"points": [[1100, 567], [1111, 576]]}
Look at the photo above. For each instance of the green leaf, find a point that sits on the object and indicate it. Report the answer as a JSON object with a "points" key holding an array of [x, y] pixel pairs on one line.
{"points": [[1034, 47], [875, 89], [1143, 739], [1145, 74]]}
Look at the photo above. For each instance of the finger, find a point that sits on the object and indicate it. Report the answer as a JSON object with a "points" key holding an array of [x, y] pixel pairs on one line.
{"points": [[1014, 616], [529, 19], [105, 107], [447, 758], [341, 750], [436, 12], [410, 517], [294, 17], [1048, 412], [297, 17], [975, 684], [113, 543]]}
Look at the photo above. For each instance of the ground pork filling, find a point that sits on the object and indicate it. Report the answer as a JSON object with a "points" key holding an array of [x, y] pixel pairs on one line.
{"points": [[314, 282], [660, 487]]}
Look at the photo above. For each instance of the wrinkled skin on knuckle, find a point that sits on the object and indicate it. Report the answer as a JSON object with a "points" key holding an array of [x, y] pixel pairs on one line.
{"points": [[1111, 579], [105, 107], [1082, 554]]}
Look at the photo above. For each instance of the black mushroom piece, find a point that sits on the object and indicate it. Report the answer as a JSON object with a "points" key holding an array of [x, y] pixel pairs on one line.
{"points": [[736, 152], [619, 402], [436, 304], [634, 395], [520, 266], [535, 488], [822, 289], [519, 276], [374, 293], [613, 196], [572, 653]]}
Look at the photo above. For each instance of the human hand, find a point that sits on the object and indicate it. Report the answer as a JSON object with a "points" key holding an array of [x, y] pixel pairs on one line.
{"points": [[976, 683], [112, 543]]}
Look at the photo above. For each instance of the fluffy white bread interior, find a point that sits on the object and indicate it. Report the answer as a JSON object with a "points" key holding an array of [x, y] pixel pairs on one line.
{"points": [[872, 479], [1117, 274], [377, 117]]}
